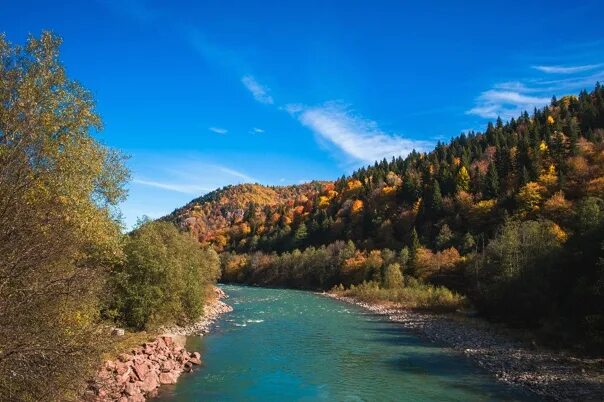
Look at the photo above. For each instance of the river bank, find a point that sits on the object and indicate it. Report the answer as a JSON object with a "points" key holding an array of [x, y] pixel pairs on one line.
{"points": [[136, 375], [552, 375]]}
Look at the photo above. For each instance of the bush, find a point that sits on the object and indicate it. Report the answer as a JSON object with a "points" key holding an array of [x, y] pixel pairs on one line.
{"points": [[163, 279], [413, 294]]}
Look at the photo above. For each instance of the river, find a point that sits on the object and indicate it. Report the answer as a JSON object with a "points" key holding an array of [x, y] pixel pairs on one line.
{"points": [[282, 345]]}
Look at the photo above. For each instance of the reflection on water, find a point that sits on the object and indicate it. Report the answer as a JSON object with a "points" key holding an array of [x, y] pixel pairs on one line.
{"points": [[283, 345]]}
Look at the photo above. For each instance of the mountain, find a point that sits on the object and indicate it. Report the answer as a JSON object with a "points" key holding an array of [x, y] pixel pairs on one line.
{"points": [[511, 218]]}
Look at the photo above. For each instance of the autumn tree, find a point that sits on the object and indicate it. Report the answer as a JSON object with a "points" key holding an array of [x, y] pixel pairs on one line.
{"points": [[58, 233]]}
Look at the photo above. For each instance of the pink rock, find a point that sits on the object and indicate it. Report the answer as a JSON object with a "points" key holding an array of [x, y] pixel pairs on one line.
{"points": [[121, 368], [167, 366], [196, 355], [141, 370], [167, 378], [131, 389], [195, 360], [136, 398], [149, 384], [168, 340], [124, 357]]}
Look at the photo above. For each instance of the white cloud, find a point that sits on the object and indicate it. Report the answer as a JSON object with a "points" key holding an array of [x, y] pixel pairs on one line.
{"points": [[235, 173], [219, 130], [179, 188], [257, 130], [566, 69], [260, 92], [505, 103], [509, 99], [357, 137]]}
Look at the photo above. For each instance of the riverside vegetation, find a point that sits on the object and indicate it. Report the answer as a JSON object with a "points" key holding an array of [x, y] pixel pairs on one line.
{"points": [[509, 221], [67, 273]]}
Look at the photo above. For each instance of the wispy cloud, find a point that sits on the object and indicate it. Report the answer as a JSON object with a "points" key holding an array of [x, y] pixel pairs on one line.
{"points": [[219, 130], [259, 92], [178, 187], [505, 103], [235, 173], [566, 69], [256, 130], [509, 99], [358, 138]]}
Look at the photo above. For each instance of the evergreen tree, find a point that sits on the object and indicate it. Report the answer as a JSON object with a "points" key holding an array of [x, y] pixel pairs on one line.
{"points": [[437, 198], [491, 187]]}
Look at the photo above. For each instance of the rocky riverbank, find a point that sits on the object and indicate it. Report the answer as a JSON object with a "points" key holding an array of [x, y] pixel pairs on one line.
{"points": [[552, 375], [214, 309], [136, 375]]}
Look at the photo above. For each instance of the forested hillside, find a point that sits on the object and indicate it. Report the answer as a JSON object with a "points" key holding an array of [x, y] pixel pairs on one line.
{"points": [[511, 218]]}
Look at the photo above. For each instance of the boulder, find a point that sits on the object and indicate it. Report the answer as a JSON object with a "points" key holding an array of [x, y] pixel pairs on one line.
{"points": [[141, 369], [149, 384], [167, 378], [118, 332], [131, 389], [168, 340]]}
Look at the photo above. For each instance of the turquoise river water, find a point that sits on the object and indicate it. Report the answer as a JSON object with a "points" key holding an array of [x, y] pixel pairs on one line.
{"points": [[289, 345]]}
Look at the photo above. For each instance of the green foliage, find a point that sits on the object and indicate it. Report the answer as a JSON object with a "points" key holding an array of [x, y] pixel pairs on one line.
{"points": [[163, 279], [393, 278], [58, 234]]}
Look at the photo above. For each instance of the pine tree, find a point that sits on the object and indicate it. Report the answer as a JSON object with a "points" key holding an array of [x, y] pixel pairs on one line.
{"points": [[437, 198], [491, 187]]}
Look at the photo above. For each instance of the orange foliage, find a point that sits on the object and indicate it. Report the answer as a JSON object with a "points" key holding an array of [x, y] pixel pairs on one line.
{"points": [[357, 206]]}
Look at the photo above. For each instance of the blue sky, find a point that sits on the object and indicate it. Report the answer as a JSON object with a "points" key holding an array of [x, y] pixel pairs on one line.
{"points": [[202, 94]]}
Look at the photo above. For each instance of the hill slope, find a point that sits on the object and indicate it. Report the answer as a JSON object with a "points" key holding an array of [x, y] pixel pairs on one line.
{"points": [[511, 217]]}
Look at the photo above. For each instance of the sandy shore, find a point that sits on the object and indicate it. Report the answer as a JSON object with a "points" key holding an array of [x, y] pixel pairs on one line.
{"points": [[552, 375]]}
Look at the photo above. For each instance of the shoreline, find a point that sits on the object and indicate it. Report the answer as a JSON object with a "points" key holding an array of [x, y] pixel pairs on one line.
{"points": [[551, 375], [137, 375]]}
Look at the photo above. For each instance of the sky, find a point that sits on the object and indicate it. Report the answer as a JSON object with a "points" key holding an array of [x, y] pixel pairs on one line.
{"points": [[202, 94]]}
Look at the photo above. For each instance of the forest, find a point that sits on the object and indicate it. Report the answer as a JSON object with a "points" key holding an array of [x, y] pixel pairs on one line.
{"points": [[508, 221]]}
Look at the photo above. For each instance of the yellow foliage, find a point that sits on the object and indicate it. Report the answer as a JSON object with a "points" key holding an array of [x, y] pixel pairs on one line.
{"points": [[596, 187], [543, 146], [388, 191], [323, 201], [549, 178], [560, 234], [550, 120], [353, 185], [530, 196]]}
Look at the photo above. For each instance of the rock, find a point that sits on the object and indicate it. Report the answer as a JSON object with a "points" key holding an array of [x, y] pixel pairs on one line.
{"points": [[167, 366], [168, 340], [118, 332], [141, 370], [136, 398], [131, 389], [121, 368], [124, 357], [167, 378], [149, 384], [195, 360]]}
